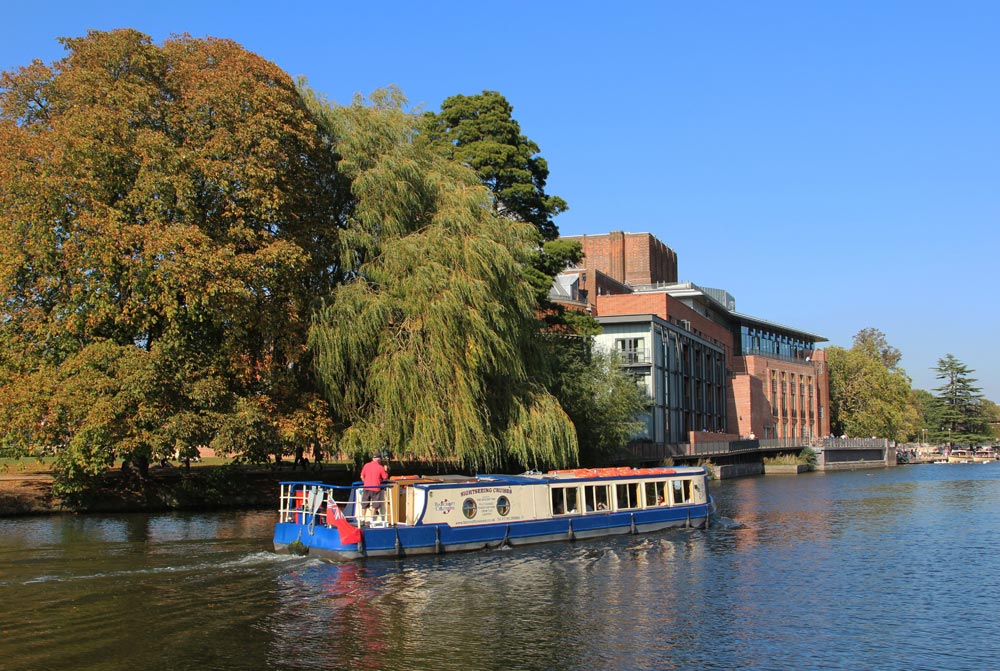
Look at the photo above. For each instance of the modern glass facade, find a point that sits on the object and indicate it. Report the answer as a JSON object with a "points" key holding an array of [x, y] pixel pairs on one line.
{"points": [[694, 378], [769, 342]]}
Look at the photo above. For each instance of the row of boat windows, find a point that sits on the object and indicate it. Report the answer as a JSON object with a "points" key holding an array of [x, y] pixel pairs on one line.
{"points": [[567, 500], [621, 496]]}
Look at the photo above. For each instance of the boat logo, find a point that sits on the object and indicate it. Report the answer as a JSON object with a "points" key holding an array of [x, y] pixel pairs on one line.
{"points": [[444, 507]]}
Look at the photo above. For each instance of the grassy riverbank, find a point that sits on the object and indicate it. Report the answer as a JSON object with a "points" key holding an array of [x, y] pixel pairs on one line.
{"points": [[26, 487]]}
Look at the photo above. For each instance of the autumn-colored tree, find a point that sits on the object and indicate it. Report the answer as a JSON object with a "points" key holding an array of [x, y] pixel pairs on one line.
{"points": [[168, 214], [427, 350]]}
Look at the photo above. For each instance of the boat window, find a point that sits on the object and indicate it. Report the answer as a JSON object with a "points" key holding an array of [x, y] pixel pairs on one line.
{"points": [[596, 497], [503, 506], [627, 494], [682, 491], [469, 508], [565, 500], [655, 494]]}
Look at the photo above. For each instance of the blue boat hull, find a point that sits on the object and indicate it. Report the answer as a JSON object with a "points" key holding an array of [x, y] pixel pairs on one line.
{"points": [[399, 541]]}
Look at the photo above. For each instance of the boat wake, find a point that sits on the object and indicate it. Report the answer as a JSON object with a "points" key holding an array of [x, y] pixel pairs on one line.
{"points": [[723, 522], [246, 561]]}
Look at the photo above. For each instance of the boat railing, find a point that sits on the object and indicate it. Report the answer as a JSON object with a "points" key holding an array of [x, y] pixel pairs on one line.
{"points": [[317, 503]]}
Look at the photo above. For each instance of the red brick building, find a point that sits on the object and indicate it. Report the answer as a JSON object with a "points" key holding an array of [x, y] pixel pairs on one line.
{"points": [[706, 367], [627, 258]]}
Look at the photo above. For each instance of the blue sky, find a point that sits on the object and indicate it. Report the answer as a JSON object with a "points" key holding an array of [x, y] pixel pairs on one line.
{"points": [[833, 165]]}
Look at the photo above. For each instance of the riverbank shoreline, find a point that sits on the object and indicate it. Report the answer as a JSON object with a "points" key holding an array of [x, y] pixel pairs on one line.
{"points": [[30, 491], [27, 494]]}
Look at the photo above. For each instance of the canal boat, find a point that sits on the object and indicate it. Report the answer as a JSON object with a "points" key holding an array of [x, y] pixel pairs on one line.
{"points": [[430, 515]]}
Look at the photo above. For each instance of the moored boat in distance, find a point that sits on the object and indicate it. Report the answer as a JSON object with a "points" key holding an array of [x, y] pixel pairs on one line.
{"points": [[960, 456], [430, 515]]}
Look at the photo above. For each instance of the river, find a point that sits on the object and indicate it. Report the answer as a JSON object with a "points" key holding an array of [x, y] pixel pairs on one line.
{"points": [[878, 569]]}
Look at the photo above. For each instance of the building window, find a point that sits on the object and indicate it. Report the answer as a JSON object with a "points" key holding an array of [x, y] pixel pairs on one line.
{"points": [[633, 350]]}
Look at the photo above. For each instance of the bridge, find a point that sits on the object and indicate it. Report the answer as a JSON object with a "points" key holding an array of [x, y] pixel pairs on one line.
{"points": [[738, 457]]}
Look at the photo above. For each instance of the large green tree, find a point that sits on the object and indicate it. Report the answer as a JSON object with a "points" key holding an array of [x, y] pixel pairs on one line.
{"points": [[602, 399], [991, 413], [168, 214], [960, 410], [480, 131], [429, 348], [869, 393]]}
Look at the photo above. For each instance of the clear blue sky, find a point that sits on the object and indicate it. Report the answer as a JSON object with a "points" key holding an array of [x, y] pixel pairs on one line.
{"points": [[833, 165]]}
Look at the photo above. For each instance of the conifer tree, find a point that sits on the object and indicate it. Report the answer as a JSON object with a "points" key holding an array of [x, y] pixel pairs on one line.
{"points": [[480, 131], [960, 409]]}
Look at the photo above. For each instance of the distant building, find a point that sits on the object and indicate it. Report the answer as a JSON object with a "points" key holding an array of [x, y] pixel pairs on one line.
{"points": [[706, 367]]}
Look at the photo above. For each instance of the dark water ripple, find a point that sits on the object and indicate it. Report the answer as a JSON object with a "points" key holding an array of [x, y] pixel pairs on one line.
{"points": [[889, 569]]}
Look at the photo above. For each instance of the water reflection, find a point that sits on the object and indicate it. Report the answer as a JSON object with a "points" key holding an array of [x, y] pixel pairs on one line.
{"points": [[825, 571], [325, 610]]}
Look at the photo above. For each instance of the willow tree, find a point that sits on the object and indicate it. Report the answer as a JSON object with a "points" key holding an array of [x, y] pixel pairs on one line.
{"points": [[481, 132], [426, 350], [167, 216]]}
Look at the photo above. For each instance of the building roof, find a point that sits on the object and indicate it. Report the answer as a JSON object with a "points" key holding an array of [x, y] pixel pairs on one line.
{"points": [[715, 297], [565, 287]]}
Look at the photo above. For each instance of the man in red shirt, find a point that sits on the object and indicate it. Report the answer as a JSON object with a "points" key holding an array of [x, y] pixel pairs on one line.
{"points": [[372, 476]]}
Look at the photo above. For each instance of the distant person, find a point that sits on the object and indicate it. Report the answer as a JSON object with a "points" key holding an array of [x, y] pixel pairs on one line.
{"points": [[373, 474], [300, 458]]}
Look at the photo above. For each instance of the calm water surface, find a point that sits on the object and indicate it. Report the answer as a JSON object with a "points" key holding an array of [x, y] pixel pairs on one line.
{"points": [[882, 569]]}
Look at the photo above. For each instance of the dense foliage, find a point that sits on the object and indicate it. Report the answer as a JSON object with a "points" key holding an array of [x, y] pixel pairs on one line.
{"points": [[602, 400], [198, 252], [869, 393], [479, 131], [429, 348], [167, 217]]}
